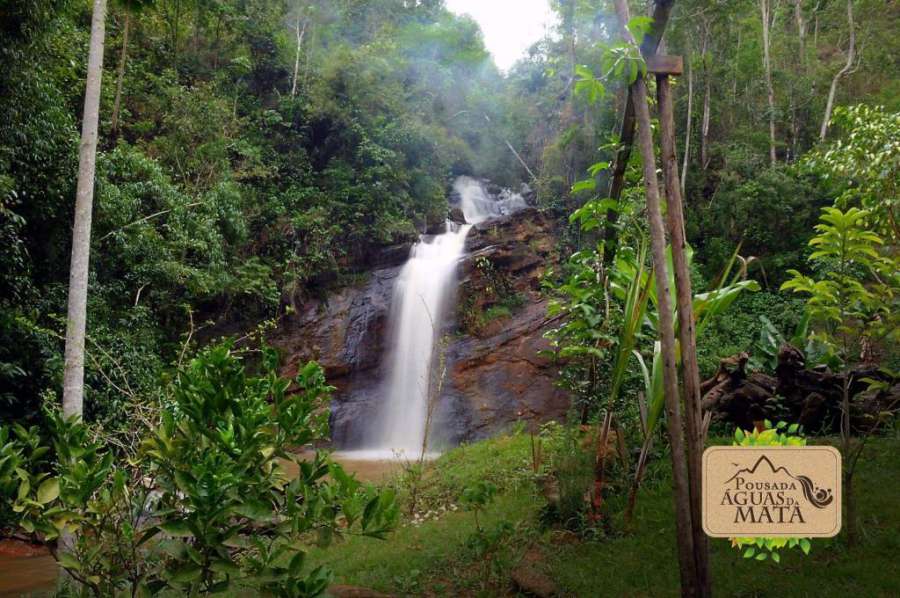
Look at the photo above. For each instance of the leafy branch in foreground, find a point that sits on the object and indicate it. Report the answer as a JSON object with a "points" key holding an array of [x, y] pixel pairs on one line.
{"points": [[215, 500], [853, 305]]}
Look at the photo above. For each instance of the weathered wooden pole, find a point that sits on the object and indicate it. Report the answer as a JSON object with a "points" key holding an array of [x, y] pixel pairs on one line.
{"points": [[664, 67], [661, 11], [680, 479]]}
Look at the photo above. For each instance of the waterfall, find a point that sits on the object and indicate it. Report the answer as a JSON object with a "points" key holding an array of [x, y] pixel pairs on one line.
{"points": [[421, 298], [421, 302], [478, 206]]}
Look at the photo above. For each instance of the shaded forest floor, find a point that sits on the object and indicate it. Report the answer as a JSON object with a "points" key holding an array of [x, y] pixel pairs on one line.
{"points": [[438, 557]]}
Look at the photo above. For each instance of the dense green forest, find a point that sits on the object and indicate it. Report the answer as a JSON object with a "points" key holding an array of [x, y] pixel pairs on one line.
{"points": [[237, 168], [257, 154]]}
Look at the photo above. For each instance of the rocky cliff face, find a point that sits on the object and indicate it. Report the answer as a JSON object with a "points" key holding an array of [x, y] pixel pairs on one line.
{"points": [[496, 370]]}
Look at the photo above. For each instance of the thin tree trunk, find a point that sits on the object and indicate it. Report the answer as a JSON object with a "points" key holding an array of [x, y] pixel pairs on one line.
{"points": [[73, 373], [686, 333], [687, 126], [683, 520], [662, 9], [765, 10], [734, 81], [300, 34], [704, 129], [120, 73], [795, 127], [832, 92], [175, 28], [816, 31], [312, 41], [707, 82], [801, 29], [848, 472], [198, 18]]}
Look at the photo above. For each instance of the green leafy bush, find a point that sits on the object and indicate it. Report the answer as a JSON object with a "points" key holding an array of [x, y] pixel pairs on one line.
{"points": [[209, 502]]}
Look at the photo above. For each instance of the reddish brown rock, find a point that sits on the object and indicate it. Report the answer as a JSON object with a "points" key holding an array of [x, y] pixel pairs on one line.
{"points": [[499, 371], [496, 371], [502, 377]]}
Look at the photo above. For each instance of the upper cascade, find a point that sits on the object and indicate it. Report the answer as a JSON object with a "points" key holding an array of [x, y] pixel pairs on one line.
{"points": [[478, 205]]}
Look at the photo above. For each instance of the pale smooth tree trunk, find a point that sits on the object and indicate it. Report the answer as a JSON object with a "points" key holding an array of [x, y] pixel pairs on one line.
{"points": [[120, 73], [816, 29], [734, 75], [73, 374], [683, 520], [801, 29], [687, 126], [704, 127], [832, 92], [301, 31], [707, 82], [690, 371], [766, 12]]}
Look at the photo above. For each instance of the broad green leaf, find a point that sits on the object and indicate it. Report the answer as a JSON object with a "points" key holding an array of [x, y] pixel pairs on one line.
{"points": [[48, 491], [178, 529], [68, 561]]}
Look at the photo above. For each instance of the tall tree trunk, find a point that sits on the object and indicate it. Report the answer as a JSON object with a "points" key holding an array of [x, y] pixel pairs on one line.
{"points": [[704, 127], [846, 440], [801, 30], [175, 34], [120, 73], [687, 126], [300, 33], [569, 111], [832, 92], [795, 125], [766, 12], [734, 81], [73, 373], [683, 520], [662, 9], [707, 82], [198, 26], [686, 334], [816, 30], [568, 25], [313, 37]]}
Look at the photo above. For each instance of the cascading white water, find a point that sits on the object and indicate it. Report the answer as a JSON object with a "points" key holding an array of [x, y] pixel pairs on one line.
{"points": [[477, 206], [421, 294], [420, 303]]}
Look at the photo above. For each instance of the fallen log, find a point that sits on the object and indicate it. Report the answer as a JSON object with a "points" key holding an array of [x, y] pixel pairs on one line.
{"points": [[796, 394]]}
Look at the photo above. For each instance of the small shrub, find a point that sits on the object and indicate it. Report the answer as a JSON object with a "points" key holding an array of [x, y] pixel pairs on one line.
{"points": [[207, 504]]}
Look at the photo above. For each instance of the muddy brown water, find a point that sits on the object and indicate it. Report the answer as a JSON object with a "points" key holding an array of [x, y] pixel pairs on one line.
{"points": [[27, 572], [25, 569]]}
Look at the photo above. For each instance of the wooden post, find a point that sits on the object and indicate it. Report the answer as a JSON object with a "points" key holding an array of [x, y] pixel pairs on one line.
{"points": [[686, 334], [661, 11], [683, 521]]}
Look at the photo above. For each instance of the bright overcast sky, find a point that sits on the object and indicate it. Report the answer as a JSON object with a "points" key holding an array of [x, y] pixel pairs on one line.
{"points": [[509, 26]]}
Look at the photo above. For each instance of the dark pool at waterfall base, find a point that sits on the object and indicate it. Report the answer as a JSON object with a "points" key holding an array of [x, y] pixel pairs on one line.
{"points": [[25, 570]]}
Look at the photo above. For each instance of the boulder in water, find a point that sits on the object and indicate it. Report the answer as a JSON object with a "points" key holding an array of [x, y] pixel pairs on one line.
{"points": [[456, 215]]}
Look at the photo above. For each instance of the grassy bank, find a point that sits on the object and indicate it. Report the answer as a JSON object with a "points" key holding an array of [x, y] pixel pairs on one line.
{"points": [[437, 556]]}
